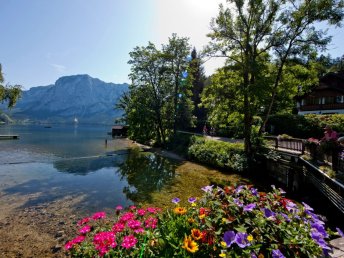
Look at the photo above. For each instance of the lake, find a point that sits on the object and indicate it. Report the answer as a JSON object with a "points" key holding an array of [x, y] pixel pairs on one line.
{"points": [[49, 164]]}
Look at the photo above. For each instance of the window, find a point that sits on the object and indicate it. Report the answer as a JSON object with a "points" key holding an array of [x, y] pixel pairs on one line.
{"points": [[339, 99], [312, 101]]}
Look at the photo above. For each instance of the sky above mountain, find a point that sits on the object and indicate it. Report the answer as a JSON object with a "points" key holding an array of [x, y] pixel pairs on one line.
{"points": [[42, 40]]}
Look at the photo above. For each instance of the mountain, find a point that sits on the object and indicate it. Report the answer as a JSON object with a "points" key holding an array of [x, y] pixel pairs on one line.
{"points": [[88, 99]]}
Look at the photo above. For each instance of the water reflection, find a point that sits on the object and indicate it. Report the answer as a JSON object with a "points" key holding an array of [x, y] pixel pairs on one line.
{"points": [[145, 174]]}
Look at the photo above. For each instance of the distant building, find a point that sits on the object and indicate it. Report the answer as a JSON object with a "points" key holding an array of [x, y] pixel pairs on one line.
{"points": [[326, 98], [119, 130]]}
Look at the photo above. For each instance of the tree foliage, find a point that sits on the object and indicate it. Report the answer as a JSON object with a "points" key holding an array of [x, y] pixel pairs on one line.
{"points": [[259, 38], [158, 101], [8, 93]]}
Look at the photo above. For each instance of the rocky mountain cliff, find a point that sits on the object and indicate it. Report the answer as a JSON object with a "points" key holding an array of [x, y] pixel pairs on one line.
{"points": [[88, 99]]}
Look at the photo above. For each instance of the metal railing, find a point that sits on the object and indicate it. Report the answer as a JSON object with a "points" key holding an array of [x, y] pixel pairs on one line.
{"points": [[289, 144]]}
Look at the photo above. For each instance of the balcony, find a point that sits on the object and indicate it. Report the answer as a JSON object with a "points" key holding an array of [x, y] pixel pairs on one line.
{"points": [[332, 106]]}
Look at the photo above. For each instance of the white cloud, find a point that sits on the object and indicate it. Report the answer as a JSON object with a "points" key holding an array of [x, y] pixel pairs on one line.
{"points": [[59, 68]]}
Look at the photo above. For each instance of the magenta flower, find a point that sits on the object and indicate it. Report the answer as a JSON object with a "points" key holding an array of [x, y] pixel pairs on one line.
{"points": [[85, 229], [141, 212], [132, 207], [118, 227], [68, 245], [99, 215], [129, 241], [127, 216], [103, 241], [78, 239], [119, 208], [83, 221], [134, 224], [152, 210], [151, 222]]}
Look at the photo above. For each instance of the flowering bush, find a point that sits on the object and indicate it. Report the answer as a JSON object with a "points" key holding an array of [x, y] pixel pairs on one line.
{"points": [[225, 222]]}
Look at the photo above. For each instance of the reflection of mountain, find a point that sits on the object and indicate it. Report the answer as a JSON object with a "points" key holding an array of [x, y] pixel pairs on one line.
{"points": [[145, 173], [83, 166]]}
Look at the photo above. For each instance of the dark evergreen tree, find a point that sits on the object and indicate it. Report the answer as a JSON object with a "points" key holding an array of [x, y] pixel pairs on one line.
{"points": [[198, 81]]}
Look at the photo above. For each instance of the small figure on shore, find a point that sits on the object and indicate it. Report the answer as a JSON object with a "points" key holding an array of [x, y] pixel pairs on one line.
{"points": [[105, 142]]}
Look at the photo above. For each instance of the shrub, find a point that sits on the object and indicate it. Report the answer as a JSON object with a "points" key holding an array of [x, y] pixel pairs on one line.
{"points": [[224, 222], [219, 154]]}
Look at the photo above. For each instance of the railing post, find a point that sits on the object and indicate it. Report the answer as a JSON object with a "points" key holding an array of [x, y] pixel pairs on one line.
{"points": [[276, 143]]}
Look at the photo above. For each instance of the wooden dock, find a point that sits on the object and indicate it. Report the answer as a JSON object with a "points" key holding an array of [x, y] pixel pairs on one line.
{"points": [[9, 137]]}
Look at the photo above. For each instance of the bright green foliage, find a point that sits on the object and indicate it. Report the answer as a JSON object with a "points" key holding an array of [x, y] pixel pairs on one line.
{"points": [[219, 154], [159, 95], [8, 92], [259, 38]]}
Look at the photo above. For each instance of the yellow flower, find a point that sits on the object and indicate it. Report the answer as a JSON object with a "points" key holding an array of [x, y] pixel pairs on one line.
{"points": [[193, 204], [249, 237], [180, 210], [224, 220], [191, 220], [224, 244], [196, 234], [202, 216], [222, 255], [190, 245]]}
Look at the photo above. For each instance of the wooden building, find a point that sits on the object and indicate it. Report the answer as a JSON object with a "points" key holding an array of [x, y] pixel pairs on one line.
{"points": [[119, 130], [326, 98]]}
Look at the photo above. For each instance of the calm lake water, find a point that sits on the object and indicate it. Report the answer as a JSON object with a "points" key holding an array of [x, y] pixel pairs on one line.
{"points": [[68, 160]]}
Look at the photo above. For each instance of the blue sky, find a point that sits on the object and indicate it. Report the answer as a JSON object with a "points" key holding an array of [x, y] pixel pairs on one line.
{"points": [[42, 40]]}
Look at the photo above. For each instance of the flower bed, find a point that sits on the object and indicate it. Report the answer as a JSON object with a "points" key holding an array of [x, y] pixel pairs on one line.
{"points": [[224, 222]]}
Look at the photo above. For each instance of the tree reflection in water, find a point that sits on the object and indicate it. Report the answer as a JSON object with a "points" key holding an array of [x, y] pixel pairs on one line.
{"points": [[145, 173]]}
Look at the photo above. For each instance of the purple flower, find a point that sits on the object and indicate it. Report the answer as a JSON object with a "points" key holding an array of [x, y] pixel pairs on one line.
{"points": [[175, 200], [340, 232], [320, 228], [249, 207], [285, 216], [253, 255], [241, 240], [208, 188], [277, 254], [291, 207], [238, 202], [307, 207], [254, 191], [192, 199], [239, 189], [316, 235], [229, 237], [268, 213]]}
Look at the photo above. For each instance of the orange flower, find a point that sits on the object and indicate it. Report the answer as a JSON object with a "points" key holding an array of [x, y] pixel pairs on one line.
{"points": [[180, 210], [196, 234], [190, 245]]}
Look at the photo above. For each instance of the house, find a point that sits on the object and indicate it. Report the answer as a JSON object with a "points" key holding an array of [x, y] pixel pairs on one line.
{"points": [[119, 130], [326, 98]]}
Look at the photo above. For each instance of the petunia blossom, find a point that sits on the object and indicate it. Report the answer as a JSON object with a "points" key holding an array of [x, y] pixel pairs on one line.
{"points": [[229, 237], [249, 207], [277, 254], [241, 240], [175, 200]]}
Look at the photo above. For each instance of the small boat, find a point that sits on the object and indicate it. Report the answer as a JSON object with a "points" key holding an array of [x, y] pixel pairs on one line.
{"points": [[76, 120]]}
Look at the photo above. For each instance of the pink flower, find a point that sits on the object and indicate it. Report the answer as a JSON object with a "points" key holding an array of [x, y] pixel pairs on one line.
{"points": [[151, 222], [78, 239], [99, 215], [103, 241], [83, 221], [134, 224], [129, 241], [141, 212], [119, 208], [153, 210], [139, 230], [68, 245], [85, 229], [118, 227], [132, 207], [127, 216]]}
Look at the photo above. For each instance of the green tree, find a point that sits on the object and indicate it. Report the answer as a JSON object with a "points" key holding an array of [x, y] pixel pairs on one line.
{"points": [[198, 82], [249, 33], [8, 93]]}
